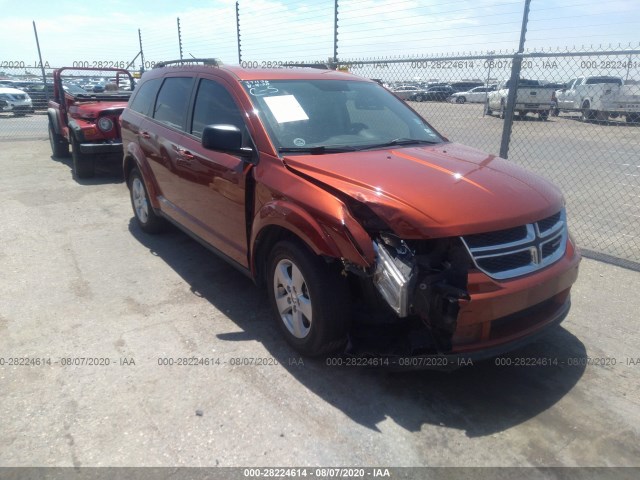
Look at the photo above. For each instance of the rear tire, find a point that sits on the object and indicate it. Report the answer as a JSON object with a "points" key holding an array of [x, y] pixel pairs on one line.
{"points": [[59, 146], [586, 114], [544, 116], [502, 111], [487, 110], [309, 300], [83, 165], [146, 217]]}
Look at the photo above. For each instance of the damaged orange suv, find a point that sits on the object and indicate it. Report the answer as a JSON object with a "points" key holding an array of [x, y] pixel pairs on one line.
{"points": [[371, 232]]}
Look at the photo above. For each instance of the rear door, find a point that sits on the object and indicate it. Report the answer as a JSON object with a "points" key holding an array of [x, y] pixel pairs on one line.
{"points": [[163, 134]]}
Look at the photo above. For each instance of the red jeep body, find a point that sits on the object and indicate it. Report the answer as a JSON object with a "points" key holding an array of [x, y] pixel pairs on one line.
{"points": [[87, 120]]}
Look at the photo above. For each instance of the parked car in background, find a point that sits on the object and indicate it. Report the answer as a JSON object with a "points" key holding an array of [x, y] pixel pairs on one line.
{"points": [[600, 97], [312, 183], [465, 86], [475, 95], [87, 121], [438, 93], [531, 97], [16, 101], [405, 92], [39, 92]]}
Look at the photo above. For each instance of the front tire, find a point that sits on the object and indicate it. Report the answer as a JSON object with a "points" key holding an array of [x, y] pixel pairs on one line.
{"points": [[83, 165], [146, 218], [544, 116], [461, 100], [502, 111], [308, 299], [59, 146]]}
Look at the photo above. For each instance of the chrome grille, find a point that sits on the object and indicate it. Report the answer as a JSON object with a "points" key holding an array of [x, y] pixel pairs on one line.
{"points": [[521, 250]]}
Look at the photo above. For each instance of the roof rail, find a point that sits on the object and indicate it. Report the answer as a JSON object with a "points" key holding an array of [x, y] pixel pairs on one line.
{"points": [[205, 61]]}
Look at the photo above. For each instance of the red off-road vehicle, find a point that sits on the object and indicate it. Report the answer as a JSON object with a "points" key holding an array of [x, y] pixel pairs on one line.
{"points": [[84, 114]]}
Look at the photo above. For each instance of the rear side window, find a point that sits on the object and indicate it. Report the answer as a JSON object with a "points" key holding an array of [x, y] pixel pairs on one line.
{"points": [[145, 97], [173, 101]]}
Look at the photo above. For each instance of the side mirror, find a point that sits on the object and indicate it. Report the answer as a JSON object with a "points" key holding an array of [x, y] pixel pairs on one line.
{"points": [[225, 138]]}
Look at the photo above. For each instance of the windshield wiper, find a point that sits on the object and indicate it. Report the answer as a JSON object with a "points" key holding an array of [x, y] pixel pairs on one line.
{"points": [[400, 141], [320, 150]]}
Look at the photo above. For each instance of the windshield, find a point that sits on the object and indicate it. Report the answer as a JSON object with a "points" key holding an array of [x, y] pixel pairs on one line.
{"points": [[326, 115], [596, 80]]}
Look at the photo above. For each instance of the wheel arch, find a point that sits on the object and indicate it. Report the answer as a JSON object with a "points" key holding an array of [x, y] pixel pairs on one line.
{"points": [[280, 220], [54, 119], [130, 161]]}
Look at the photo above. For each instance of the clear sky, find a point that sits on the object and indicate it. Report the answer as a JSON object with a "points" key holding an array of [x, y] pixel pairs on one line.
{"points": [[296, 30]]}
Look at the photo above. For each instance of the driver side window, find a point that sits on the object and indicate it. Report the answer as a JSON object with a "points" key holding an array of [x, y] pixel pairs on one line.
{"points": [[214, 106]]}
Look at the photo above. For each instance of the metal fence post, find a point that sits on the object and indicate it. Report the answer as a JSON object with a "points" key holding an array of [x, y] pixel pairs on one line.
{"points": [[238, 32], [335, 32], [511, 105], [179, 37], [513, 85], [141, 51], [44, 75]]}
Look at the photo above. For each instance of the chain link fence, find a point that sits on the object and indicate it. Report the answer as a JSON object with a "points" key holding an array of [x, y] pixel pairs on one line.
{"points": [[574, 118]]}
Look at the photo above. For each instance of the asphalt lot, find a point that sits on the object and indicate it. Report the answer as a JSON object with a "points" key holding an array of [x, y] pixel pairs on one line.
{"points": [[80, 281], [596, 165]]}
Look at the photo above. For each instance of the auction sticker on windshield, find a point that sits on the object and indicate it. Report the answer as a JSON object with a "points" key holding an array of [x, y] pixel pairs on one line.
{"points": [[286, 108]]}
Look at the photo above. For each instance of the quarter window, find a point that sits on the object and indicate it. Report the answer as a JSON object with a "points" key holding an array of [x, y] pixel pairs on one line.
{"points": [[145, 96]]}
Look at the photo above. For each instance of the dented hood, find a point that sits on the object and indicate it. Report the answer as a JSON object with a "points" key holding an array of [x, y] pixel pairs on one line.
{"points": [[431, 191]]}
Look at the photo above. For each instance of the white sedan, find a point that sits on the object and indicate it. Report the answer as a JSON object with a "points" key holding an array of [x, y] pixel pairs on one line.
{"points": [[406, 91], [475, 95]]}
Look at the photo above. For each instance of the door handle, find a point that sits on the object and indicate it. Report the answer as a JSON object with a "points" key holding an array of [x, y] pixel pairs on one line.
{"points": [[185, 154], [145, 135]]}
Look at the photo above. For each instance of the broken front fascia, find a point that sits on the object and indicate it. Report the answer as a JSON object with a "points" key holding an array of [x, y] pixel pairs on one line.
{"points": [[429, 284]]}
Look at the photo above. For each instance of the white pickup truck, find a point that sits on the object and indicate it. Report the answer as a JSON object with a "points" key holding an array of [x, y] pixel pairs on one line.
{"points": [[531, 97], [598, 98]]}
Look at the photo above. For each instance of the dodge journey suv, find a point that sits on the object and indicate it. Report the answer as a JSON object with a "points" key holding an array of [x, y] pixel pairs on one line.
{"points": [[352, 211]]}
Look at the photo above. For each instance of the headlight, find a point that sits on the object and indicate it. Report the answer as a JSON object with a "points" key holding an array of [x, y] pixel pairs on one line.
{"points": [[105, 124], [393, 277]]}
